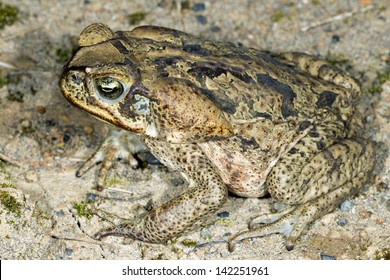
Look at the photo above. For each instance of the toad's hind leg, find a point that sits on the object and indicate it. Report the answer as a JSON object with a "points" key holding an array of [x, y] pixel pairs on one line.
{"points": [[205, 195], [322, 184]]}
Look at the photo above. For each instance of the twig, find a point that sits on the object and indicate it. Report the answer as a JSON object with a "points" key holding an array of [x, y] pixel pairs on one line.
{"points": [[6, 158], [6, 65], [338, 17], [119, 190]]}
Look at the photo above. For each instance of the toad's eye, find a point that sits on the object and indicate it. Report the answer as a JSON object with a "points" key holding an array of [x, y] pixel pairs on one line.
{"points": [[109, 88]]}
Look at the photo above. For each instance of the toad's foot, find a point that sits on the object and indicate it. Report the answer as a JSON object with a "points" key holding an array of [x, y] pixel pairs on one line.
{"points": [[117, 145], [292, 221]]}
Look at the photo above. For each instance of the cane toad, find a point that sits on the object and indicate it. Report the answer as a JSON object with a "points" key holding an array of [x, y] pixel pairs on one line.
{"points": [[228, 118]]}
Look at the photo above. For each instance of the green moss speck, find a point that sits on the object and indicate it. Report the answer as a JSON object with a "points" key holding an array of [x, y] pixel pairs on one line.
{"points": [[115, 181], [83, 210], [6, 174], [63, 55], [136, 18], [159, 257], [189, 243], [383, 254], [3, 81], [224, 221], [381, 78], [7, 184], [10, 203], [277, 16], [185, 5], [174, 249], [8, 14]]}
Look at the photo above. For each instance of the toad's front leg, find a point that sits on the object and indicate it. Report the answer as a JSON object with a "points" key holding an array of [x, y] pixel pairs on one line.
{"points": [[205, 195], [118, 144]]}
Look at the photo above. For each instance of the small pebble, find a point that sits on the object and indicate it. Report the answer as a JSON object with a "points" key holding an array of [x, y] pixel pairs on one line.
{"points": [[342, 222], [60, 213], [197, 7], [379, 221], [365, 214], [223, 215], [201, 19], [91, 197], [41, 110], [368, 119], [68, 251], [227, 234], [215, 29], [50, 123], [327, 257], [335, 38], [66, 138], [205, 233], [346, 206]]}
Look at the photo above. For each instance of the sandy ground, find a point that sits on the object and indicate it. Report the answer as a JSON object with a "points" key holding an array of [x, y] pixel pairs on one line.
{"points": [[44, 213]]}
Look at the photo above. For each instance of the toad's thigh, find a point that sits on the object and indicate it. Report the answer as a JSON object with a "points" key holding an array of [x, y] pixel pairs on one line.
{"points": [[323, 173]]}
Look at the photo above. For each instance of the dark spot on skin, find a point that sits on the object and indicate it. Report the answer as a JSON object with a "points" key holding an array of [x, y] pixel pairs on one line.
{"points": [[325, 69], [120, 47], [210, 70], [235, 176], [162, 62], [129, 63], [238, 55], [314, 134], [362, 143], [238, 73], [262, 115], [125, 107], [320, 145], [284, 90], [175, 33], [213, 70], [335, 163], [303, 125], [245, 143], [293, 151], [268, 58], [196, 49], [133, 69], [220, 100], [214, 138], [326, 99]]}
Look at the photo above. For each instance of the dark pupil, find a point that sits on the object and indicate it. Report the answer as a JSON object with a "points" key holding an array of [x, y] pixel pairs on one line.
{"points": [[109, 88]]}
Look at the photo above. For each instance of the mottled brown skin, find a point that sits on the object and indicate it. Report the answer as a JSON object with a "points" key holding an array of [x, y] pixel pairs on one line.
{"points": [[229, 119]]}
